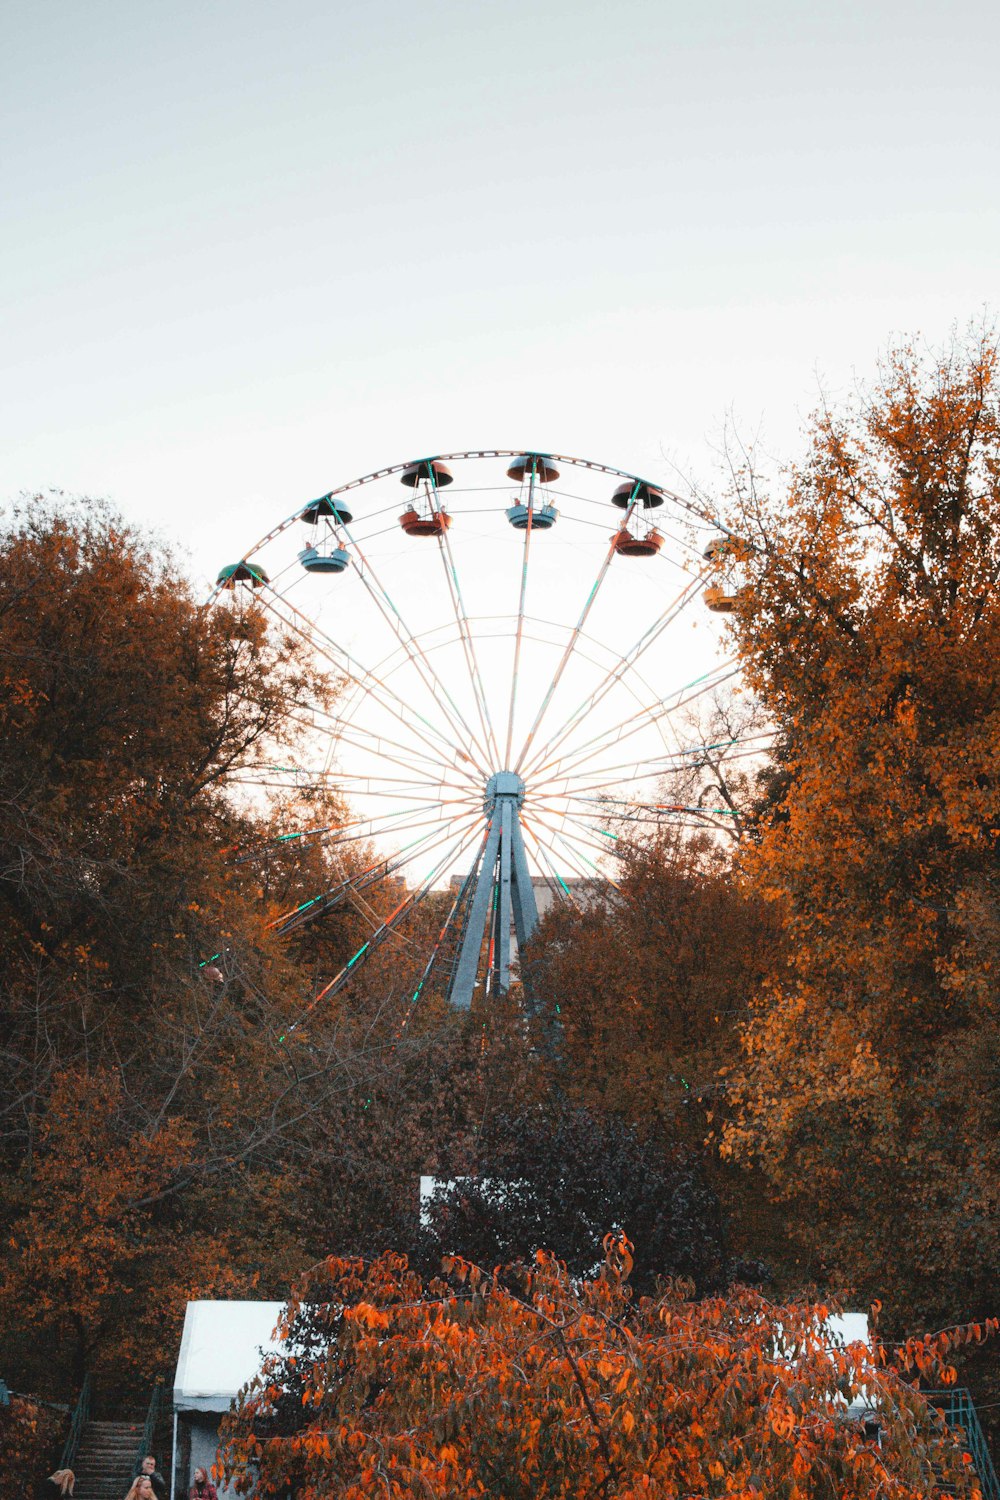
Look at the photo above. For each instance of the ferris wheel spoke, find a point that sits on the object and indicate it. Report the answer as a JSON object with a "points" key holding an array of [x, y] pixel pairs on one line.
{"points": [[554, 821], [519, 629], [369, 787], [465, 635], [379, 869], [364, 680], [647, 714], [554, 880], [574, 638], [636, 811], [644, 718], [460, 897], [391, 923], [371, 826], [418, 789], [693, 821], [580, 861], [373, 742], [409, 756], [705, 756], [383, 868], [315, 779], [580, 831], [634, 771], [417, 656], [683, 761], [690, 818], [615, 674], [395, 828]]}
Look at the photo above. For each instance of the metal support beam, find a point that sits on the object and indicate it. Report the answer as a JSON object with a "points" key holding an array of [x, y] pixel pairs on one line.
{"points": [[503, 899], [502, 887], [523, 892], [463, 980]]}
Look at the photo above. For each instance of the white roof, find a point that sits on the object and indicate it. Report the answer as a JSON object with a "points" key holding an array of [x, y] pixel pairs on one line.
{"points": [[223, 1343], [221, 1349], [852, 1327]]}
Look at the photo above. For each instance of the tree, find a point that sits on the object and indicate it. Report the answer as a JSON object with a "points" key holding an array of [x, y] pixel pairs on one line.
{"points": [[870, 631], [162, 1052], [125, 711], [529, 1383], [646, 992], [557, 1176], [30, 1436], [102, 1260]]}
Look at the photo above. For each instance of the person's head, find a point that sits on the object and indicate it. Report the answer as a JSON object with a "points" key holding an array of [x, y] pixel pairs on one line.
{"points": [[148, 1465], [201, 1476], [144, 1488], [65, 1479]]}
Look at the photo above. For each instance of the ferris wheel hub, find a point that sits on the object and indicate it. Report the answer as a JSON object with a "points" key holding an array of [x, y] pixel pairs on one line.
{"points": [[503, 784]]}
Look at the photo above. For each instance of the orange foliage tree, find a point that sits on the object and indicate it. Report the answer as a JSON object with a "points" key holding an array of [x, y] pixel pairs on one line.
{"points": [[870, 630], [528, 1383], [646, 993], [30, 1436], [154, 1085], [102, 1258]]}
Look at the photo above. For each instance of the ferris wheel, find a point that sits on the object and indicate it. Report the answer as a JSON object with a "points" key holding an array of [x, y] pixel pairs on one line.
{"points": [[521, 639]]}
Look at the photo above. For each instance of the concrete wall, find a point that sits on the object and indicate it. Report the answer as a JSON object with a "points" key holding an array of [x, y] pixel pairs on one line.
{"points": [[196, 1445]]}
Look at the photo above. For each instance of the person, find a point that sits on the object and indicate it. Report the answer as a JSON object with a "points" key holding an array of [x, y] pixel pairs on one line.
{"points": [[58, 1486], [147, 1470], [202, 1489]]}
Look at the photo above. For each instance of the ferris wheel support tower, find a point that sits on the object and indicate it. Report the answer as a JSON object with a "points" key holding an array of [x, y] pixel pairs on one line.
{"points": [[503, 870]]}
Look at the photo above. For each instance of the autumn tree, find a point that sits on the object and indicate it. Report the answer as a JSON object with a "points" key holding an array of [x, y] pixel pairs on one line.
{"points": [[647, 989], [527, 1382], [557, 1176], [144, 959], [30, 1439], [104, 1255], [870, 630]]}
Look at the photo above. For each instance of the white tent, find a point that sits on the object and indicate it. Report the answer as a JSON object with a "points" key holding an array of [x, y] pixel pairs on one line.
{"points": [[221, 1350], [222, 1346]]}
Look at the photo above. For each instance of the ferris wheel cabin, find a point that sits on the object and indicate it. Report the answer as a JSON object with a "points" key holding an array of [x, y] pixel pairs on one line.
{"points": [[633, 538], [642, 544], [719, 600], [334, 561], [326, 508], [328, 556], [637, 492], [427, 516], [530, 468], [538, 466], [252, 574], [543, 517]]}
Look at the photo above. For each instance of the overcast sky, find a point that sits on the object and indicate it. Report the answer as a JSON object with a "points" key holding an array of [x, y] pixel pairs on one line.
{"points": [[251, 250]]}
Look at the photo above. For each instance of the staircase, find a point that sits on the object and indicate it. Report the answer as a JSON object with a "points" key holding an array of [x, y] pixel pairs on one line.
{"points": [[105, 1460]]}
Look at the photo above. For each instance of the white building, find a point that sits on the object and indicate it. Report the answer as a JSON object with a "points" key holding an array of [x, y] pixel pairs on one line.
{"points": [[222, 1346]]}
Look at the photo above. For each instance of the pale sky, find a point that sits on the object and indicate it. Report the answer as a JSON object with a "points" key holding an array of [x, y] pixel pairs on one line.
{"points": [[252, 250]]}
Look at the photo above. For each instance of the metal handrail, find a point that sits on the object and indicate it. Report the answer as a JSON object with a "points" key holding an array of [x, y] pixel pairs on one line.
{"points": [[959, 1411], [78, 1421], [149, 1429]]}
